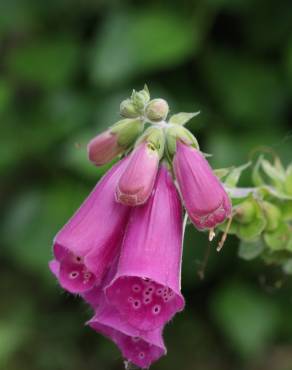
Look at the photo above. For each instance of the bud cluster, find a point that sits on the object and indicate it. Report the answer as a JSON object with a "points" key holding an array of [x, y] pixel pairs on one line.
{"points": [[262, 215]]}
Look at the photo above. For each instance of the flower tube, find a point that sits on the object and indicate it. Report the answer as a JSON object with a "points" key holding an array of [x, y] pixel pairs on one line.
{"points": [[204, 197], [146, 288], [87, 244], [136, 183]]}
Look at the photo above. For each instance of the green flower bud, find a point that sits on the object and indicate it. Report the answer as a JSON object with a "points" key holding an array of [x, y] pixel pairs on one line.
{"points": [[157, 110], [155, 137], [176, 132], [128, 110], [140, 99], [272, 215], [245, 212], [127, 131]]}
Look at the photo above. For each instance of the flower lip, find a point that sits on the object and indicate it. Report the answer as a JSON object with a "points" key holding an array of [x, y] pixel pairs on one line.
{"points": [[146, 303], [141, 348]]}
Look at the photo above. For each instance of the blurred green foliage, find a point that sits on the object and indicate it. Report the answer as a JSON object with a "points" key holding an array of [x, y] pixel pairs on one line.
{"points": [[64, 68]]}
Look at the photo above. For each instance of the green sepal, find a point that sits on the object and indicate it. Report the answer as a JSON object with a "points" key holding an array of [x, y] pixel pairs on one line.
{"points": [[275, 174], [288, 180], [279, 238], [182, 118], [127, 131], [252, 230], [286, 208], [234, 175], [272, 214], [250, 250], [246, 211], [174, 133], [155, 137]]}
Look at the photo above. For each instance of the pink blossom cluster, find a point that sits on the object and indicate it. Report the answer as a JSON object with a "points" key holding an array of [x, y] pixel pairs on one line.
{"points": [[122, 250]]}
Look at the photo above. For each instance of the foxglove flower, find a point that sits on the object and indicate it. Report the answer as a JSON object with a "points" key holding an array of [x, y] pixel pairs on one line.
{"points": [[204, 197], [87, 244], [139, 347], [136, 183], [146, 288]]}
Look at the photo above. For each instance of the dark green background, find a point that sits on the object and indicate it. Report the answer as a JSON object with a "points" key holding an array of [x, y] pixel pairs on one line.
{"points": [[64, 68]]}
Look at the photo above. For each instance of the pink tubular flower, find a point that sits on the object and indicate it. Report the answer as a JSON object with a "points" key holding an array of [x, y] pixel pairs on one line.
{"points": [[103, 148], [87, 244], [136, 183], [204, 197], [146, 288], [141, 348]]}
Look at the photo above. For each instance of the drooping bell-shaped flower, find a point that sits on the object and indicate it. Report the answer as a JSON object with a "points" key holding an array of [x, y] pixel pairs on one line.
{"points": [[146, 288], [137, 181], [204, 197], [87, 244], [139, 347]]}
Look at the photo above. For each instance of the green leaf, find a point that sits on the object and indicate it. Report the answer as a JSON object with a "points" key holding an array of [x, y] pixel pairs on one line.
{"points": [[233, 178], [246, 317], [135, 42], [287, 267], [253, 229], [256, 176], [288, 181], [50, 63], [182, 118], [249, 251], [277, 176]]}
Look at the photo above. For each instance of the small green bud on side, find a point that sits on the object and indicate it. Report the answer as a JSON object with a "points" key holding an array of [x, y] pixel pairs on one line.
{"points": [[155, 137], [245, 212], [157, 110], [140, 99], [128, 110], [127, 131], [174, 133], [272, 215]]}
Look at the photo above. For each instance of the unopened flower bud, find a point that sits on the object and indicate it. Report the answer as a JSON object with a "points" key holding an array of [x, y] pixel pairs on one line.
{"points": [[272, 215], [157, 110], [109, 144], [245, 212], [140, 99], [137, 181], [128, 110], [103, 148]]}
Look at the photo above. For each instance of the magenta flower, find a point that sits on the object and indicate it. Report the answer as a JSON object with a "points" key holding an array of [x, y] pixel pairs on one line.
{"points": [[136, 183], [146, 288], [141, 348], [87, 244], [204, 197], [103, 148]]}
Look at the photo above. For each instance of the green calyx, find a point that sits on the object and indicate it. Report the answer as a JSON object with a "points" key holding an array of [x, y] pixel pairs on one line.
{"points": [[127, 131], [272, 215], [175, 133], [155, 138]]}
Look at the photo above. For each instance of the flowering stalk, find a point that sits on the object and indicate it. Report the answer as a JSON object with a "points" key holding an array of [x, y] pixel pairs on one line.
{"points": [[121, 251]]}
